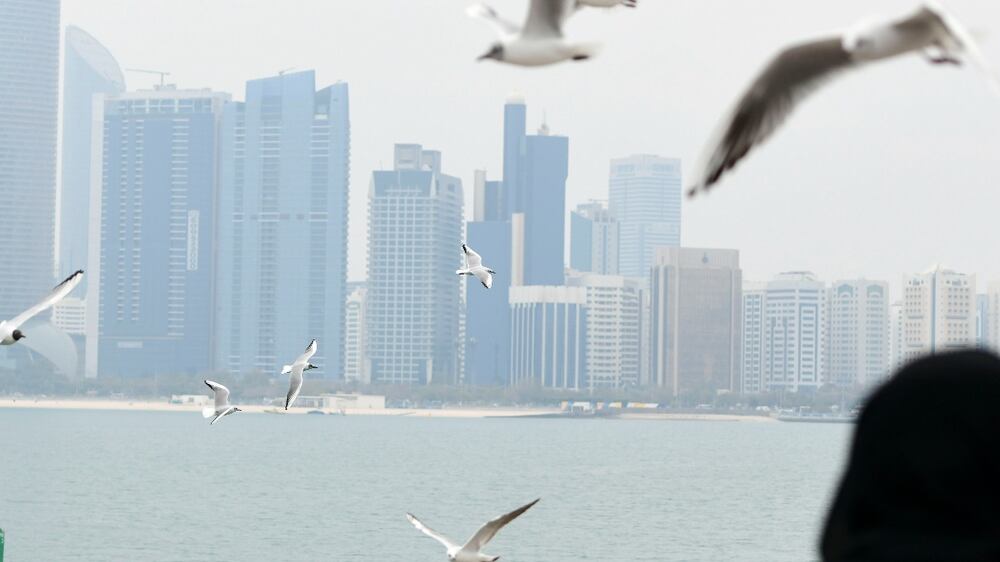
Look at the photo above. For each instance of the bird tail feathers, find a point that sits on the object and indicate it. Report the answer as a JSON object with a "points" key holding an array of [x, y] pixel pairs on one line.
{"points": [[285, 369], [207, 412]]}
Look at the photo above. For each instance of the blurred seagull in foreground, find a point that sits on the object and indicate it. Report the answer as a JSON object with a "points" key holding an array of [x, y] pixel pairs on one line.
{"points": [[10, 330], [296, 369], [801, 69], [474, 266], [222, 407], [540, 40], [470, 551]]}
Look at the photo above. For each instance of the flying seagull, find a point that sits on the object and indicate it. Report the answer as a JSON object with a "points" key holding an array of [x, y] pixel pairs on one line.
{"points": [[222, 407], [540, 40], [10, 330], [801, 69], [301, 364], [470, 551], [474, 266]]}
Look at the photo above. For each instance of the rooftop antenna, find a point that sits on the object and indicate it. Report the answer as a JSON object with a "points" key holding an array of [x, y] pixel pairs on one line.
{"points": [[162, 73]]}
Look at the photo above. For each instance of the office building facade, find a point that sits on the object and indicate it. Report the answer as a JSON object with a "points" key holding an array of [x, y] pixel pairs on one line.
{"points": [[859, 333], [548, 337], [415, 217], [283, 225], [939, 312], [151, 250], [696, 321], [644, 196], [29, 67], [613, 329]]}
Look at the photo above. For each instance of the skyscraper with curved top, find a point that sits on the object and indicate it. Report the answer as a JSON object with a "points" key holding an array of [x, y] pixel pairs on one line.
{"points": [[89, 70], [29, 92]]}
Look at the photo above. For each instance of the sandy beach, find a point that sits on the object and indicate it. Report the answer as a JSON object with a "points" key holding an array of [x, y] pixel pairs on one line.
{"points": [[158, 406]]}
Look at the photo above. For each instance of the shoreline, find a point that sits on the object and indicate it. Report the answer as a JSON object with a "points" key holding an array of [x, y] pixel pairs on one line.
{"points": [[454, 413]]}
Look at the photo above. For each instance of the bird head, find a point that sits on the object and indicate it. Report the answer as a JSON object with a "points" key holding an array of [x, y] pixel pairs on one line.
{"points": [[18, 335], [495, 53], [237, 410], [311, 366]]}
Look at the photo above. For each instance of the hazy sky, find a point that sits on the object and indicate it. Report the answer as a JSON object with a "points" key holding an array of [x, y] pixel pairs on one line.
{"points": [[886, 171]]}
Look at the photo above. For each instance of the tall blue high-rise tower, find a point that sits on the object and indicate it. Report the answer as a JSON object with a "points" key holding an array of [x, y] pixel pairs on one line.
{"points": [[151, 247], [546, 168], [88, 70], [283, 225], [29, 93]]}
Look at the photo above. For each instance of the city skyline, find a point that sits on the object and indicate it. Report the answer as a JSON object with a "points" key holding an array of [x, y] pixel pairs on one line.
{"points": [[749, 215]]}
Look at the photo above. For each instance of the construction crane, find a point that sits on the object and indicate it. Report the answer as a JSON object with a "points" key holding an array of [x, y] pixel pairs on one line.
{"points": [[143, 70]]}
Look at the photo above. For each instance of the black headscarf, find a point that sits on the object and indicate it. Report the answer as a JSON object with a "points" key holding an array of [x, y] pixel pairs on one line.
{"points": [[923, 481]]}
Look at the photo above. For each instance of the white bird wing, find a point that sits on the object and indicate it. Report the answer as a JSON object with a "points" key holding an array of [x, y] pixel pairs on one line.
{"points": [[57, 294], [790, 77], [968, 43], [221, 395], [489, 15], [430, 532], [545, 18], [486, 533], [307, 355], [485, 277], [294, 385], [472, 259]]}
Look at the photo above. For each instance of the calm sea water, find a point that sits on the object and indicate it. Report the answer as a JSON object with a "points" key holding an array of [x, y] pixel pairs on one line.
{"points": [[137, 486]]}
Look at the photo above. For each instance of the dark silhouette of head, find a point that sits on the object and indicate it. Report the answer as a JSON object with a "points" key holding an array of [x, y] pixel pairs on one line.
{"points": [[923, 480], [311, 366], [18, 335], [496, 53]]}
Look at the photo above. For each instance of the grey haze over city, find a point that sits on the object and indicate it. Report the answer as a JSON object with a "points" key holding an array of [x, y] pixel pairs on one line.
{"points": [[884, 173], [408, 289]]}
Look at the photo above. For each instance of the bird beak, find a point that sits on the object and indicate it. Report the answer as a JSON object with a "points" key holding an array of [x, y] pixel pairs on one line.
{"points": [[483, 57]]}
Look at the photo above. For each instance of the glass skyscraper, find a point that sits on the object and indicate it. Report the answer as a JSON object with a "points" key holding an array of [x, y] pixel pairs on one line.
{"points": [[29, 92], [283, 225], [414, 247], [546, 168], [645, 198], [88, 70], [152, 226], [535, 168]]}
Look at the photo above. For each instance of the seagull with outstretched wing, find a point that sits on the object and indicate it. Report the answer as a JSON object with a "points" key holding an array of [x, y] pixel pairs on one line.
{"points": [[10, 330], [474, 266], [471, 551], [801, 69], [222, 407]]}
